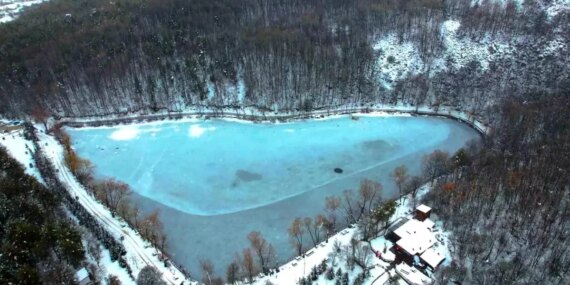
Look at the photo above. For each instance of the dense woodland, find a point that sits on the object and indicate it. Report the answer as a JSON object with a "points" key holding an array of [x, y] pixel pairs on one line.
{"points": [[508, 201], [37, 244], [95, 57]]}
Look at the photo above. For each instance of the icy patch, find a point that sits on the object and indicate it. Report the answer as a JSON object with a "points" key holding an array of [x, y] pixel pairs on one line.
{"points": [[397, 60], [461, 51], [197, 131], [125, 134]]}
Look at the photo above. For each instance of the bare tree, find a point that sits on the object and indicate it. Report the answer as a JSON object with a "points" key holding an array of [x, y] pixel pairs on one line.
{"points": [[207, 269], [263, 250], [308, 223], [412, 187], [400, 176], [348, 206], [296, 234], [151, 228], [369, 194], [362, 256], [111, 192], [41, 115], [248, 265], [332, 204], [233, 273], [435, 164]]}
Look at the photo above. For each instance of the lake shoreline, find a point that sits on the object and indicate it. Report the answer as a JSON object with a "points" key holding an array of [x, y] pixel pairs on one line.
{"points": [[256, 116]]}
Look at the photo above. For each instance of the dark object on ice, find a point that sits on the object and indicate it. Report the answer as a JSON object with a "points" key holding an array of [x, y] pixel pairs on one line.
{"points": [[338, 170]]}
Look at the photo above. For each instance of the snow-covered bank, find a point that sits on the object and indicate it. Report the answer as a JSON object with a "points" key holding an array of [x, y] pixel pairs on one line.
{"points": [[139, 252], [253, 114]]}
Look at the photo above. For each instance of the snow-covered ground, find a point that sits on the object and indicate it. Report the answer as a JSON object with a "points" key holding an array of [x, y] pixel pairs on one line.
{"points": [[460, 51], [10, 9], [20, 149], [139, 252], [397, 60]]}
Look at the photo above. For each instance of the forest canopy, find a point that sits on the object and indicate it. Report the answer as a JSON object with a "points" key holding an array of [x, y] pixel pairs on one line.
{"points": [[36, 242], [78, 58]]}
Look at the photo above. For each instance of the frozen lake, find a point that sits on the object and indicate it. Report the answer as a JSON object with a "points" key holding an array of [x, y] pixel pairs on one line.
{"points": [[215, 181]]}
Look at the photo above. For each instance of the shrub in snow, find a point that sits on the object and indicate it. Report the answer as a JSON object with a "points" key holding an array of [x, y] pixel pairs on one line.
{"points": [[345, 279], [314, 273], [149, 276], [323, 266], [330, 274], [339, 273]]}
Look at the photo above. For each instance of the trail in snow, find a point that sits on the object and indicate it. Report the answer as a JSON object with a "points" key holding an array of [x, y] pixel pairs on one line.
{"points": [[139, 253]]}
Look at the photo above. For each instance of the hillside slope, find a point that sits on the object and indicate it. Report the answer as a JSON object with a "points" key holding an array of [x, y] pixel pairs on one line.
{"points": [[79, 58]]}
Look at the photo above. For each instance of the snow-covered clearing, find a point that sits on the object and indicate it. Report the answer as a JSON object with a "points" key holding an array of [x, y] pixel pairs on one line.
{"points": [[397, 60], [113, 268], [22, 150], [139, 252], [461, 51]]}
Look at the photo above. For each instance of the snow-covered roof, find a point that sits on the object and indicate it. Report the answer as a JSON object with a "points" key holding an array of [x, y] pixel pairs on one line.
{"points": [[412, 275], [415, 236], [423, 208], [82, 274], [432, 257]]}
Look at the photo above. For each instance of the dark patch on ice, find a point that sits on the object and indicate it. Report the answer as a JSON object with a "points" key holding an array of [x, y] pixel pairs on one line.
{"points": [[378, 146], [247, 176], [338, 170]]}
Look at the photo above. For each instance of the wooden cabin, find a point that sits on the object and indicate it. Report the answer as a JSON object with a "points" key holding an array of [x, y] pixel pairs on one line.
{"points": [[422, 212]]}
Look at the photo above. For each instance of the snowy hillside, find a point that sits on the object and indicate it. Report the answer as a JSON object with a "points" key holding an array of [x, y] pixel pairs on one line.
{"points": [[399, 59], [10, 9]]}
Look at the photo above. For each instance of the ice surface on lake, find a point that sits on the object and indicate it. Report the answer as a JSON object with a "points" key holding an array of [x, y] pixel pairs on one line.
{"points": [[215, 181], [206, 169]]}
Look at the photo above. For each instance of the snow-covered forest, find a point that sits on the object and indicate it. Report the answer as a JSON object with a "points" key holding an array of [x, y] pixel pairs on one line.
{"points": [[78, 58], [507, 200]]}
